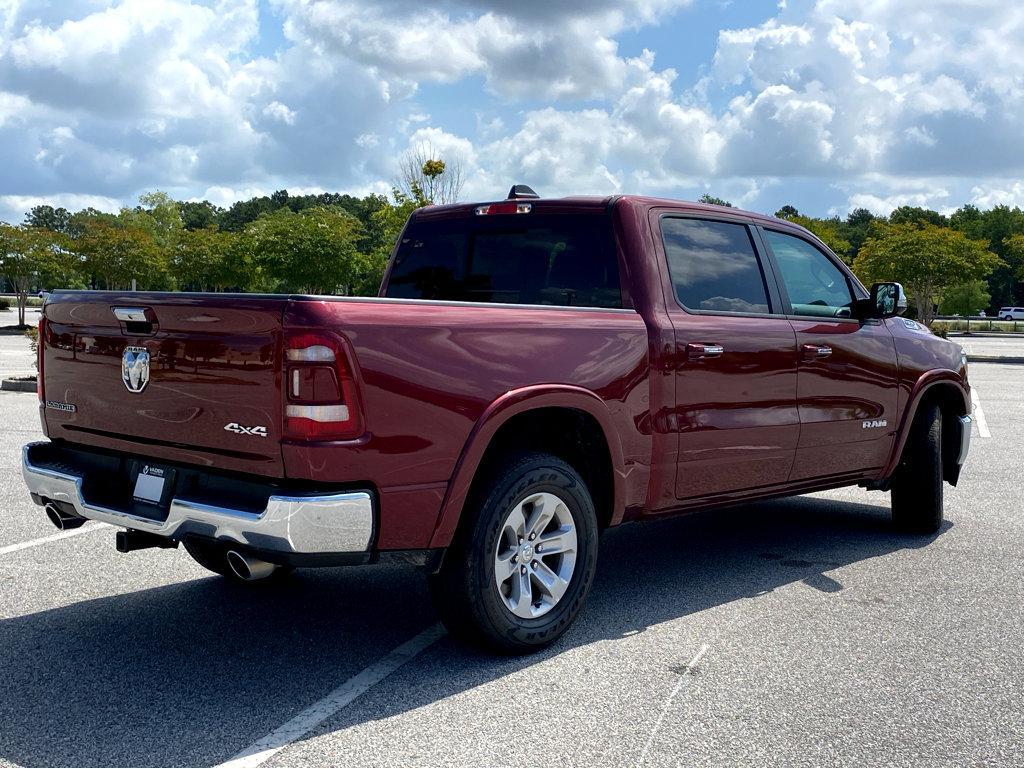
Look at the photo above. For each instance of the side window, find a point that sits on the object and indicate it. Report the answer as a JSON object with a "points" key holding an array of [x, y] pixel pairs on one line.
{"points": [[714, 266], [816, 287]]}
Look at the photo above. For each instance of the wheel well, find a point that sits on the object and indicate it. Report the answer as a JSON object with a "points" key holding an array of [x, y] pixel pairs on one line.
{"points": [[572, 435], [951, 405]]}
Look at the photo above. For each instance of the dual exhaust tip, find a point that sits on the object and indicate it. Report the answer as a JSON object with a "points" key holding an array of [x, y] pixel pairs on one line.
{"points": [[247, 568], [63, 520], [244, 567]]}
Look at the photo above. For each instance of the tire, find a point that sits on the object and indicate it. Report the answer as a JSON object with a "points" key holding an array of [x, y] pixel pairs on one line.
{"points": [[213, 556], [917, 485], [475, 603], [1008, 317]]}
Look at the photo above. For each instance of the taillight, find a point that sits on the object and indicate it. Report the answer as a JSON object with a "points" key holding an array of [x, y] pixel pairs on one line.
{"points": [[39, 358], [504, 208], [320, 399]]}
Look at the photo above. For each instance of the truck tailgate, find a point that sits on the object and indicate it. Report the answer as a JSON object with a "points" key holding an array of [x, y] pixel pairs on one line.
{"points": [[194, 378]]}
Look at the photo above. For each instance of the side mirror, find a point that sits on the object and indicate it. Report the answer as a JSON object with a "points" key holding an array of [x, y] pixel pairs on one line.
{"points": [[887, 300]]}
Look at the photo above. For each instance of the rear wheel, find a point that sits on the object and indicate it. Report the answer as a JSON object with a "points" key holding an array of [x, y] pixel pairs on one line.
{"points": [[917, 486], [519, 573]]}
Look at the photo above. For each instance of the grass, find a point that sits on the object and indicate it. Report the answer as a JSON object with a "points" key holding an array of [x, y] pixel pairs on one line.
{"points": [[978, 325]]}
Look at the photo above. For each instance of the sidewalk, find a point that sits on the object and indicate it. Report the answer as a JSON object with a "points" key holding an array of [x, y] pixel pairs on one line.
{"points": [[16, 358], [992, 349]]}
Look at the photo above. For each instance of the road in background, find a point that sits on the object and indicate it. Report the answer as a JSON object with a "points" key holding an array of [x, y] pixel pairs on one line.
{"points": [[803, 631]]}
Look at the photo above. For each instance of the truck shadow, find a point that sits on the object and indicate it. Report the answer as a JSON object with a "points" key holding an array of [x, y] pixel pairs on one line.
{"points": [[190, 673]]}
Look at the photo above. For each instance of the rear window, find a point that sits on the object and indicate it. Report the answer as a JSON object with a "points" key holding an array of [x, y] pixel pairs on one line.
{"points": [[713, 265], [566, 260]]}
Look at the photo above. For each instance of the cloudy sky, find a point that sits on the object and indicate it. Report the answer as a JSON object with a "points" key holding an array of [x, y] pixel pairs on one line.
{"points": [[826, 104]]}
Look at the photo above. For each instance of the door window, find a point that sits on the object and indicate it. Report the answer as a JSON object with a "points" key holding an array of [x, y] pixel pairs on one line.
{"points": [[816, 287], [714, 266]]}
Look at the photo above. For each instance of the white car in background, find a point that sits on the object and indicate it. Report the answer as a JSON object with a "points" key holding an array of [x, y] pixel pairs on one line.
{"points": [[1011, 313]]}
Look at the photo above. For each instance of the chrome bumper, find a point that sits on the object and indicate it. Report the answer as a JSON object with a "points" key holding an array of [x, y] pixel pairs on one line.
{"points": [[331, 523], [965, 440]]}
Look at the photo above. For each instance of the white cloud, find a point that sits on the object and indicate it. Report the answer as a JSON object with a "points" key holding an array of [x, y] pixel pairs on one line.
{"points": [[1007, 194], [523, 50], [14, 207], [279, 111], [870, 100]]}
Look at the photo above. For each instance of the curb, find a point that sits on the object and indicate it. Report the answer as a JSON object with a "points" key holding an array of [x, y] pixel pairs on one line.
{"points": [[19, 385], [1012, 360]]}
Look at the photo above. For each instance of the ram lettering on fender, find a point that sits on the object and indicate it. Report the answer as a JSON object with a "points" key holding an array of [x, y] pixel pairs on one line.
{"points": [[234, 427]]}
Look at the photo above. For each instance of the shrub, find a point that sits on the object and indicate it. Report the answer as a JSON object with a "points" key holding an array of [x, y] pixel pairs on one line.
{"points": [[33, 342], [5, 304]]}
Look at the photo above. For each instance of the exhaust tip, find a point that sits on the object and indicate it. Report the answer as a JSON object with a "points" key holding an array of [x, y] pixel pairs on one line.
{"points": [[247, 568], [63, 521]]}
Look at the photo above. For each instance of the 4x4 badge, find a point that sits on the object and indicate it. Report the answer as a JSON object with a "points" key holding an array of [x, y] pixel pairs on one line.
{"points": [[234, 427]]}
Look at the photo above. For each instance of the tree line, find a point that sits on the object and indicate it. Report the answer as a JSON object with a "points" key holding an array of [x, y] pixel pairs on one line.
{"points": [[961, 264], [331, 243], [328, 243], [316, 244]]}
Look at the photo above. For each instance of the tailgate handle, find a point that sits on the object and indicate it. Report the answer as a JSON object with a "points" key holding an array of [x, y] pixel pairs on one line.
{"points": [[131, 314], [135, 320]]}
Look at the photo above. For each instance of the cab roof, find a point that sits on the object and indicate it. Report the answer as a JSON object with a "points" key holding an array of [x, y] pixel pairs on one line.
{"points": [[594, 203]]}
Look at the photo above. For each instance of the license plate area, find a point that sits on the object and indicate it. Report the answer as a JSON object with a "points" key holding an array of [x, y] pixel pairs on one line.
{"points": [[152, 485]]}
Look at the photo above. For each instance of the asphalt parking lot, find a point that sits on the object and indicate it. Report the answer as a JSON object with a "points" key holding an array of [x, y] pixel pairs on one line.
{"points": [[800, 632]]}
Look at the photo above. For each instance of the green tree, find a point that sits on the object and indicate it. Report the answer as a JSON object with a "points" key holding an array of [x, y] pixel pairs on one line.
{"points": [[202, 260], [82, 219], [786, 212], [711, 200], [314, 251], [387, 222], [1014, 247], [997, 226], [427, 179], [121, 254], [965, 299], [917, 215], [158, 215], [26, 253], [198, 215], [926, 259], [857, 228], [828, 232], [49, 218]]}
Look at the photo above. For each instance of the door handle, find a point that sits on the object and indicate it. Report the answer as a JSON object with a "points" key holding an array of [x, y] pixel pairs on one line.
{"points": [[697, 350], [816, 351]]}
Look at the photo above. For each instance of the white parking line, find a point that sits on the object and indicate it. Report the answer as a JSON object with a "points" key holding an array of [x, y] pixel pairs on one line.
{"points": [[682, 679], [318, 712], [979, 415], [86, 529]]}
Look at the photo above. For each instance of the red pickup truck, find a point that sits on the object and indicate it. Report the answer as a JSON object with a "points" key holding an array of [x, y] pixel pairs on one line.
{"points": [[533, 372]]}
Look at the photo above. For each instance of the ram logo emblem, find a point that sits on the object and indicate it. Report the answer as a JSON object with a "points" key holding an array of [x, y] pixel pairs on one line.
{"points": [[135, 369], [870, 423]]}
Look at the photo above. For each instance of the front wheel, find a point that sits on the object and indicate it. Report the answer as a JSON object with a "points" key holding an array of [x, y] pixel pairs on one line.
{"points": [[917, 486], [519, 573]]}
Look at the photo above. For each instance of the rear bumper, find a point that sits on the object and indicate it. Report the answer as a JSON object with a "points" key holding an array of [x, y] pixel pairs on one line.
{"points": [[320, 524]]}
